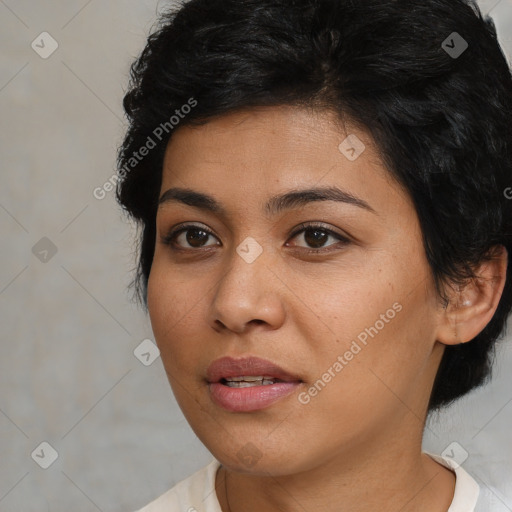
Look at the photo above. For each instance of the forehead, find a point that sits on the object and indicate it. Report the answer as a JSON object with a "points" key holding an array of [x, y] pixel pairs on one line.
{"points": [[269, 143], [273, 158]]}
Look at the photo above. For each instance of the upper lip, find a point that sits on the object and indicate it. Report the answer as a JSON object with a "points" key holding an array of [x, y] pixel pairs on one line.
{"points": [[226, 367]]}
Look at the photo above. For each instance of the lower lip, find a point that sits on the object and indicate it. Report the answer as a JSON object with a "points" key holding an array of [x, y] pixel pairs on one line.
{"points": [[250, 398]]}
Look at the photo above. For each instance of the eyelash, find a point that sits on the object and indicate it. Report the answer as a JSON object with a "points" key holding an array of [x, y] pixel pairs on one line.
{"points": [[170, 238]]}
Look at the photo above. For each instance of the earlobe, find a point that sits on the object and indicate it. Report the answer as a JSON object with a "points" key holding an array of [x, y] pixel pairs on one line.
{"points": [[472, 306]]}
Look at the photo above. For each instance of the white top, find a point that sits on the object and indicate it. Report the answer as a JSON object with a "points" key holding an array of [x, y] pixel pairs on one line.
{"points": [[197, 492]]}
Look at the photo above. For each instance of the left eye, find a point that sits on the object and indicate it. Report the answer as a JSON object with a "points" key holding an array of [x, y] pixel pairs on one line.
{"points": [[196, 236], [316, 236]]}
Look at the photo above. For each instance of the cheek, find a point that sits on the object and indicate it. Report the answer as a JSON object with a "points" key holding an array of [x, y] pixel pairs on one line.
{"points": [[379, 320], [385, 352], [167, 305], [175, 303], [158, 301]]}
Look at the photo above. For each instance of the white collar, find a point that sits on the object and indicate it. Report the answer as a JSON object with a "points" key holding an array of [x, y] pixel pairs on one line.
{"points": [[466, 489]]}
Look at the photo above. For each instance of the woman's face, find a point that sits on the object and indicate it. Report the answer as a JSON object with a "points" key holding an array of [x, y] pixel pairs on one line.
{"points": [[346, 308]]}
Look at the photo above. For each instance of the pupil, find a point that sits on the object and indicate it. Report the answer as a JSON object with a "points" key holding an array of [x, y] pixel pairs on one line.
{"points": [[194, 239], [318, 239]]}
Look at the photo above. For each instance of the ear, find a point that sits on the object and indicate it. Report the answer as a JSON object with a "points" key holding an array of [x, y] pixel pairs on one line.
{"points": [[472, 306]]}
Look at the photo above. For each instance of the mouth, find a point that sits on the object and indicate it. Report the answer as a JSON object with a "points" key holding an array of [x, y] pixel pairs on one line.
{"points": [[249, 384]]}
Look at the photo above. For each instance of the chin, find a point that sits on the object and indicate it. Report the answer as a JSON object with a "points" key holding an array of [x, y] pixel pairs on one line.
{"points": [[255, 455]]}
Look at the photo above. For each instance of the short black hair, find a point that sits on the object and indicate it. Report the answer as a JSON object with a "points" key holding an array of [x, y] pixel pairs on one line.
{"points": [[426, 78]]}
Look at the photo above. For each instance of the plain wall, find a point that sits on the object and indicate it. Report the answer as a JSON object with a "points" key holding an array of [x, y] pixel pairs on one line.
{"points": [[68, 373]]}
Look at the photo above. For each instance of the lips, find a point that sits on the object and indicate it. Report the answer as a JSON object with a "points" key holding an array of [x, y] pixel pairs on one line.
{"points": [[227, 367], [249, 384]]}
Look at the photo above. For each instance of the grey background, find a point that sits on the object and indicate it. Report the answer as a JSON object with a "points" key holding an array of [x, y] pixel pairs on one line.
{"points": [[68, 373]]}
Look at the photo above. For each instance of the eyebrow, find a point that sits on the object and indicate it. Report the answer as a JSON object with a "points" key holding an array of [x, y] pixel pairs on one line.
{"points": [[276, 204]]}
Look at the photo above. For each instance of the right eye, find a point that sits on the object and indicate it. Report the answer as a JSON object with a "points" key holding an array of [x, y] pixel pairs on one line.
{"points": [[193, 235]]}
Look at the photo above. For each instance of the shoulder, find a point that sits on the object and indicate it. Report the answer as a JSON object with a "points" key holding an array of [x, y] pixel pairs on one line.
{"points": [[195, 493]]}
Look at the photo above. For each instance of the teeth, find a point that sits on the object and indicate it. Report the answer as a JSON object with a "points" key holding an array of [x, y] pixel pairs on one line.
{"points": [[249, 381], [249, 378]]}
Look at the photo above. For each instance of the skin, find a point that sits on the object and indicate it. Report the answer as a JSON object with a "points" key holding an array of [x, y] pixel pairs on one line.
{"points": [[358, 441]]}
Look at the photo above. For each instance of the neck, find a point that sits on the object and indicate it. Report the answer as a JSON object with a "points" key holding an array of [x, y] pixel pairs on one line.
{"points": [[390, 477]]}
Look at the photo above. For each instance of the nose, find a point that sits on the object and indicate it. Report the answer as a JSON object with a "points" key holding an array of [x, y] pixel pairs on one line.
{"points": [[249, 293]]}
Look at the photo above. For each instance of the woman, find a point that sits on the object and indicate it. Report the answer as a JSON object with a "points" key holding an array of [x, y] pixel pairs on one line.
{"points": [[325, 244]]}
